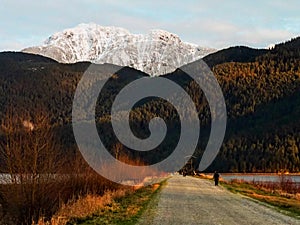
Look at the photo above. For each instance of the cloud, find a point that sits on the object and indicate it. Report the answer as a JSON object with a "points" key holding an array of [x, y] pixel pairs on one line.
{"points": [[11, 45], [211, 23], [261, 35]]}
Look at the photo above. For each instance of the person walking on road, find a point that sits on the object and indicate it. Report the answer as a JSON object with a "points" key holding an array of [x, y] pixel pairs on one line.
{"points": [[216, 178]]}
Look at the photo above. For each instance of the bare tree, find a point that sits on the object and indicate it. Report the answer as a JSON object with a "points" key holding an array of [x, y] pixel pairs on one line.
{"points": [[40, 174], [32, 159]]}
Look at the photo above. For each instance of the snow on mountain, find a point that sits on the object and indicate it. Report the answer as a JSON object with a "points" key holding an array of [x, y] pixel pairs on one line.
{"points": [[157, 52]]}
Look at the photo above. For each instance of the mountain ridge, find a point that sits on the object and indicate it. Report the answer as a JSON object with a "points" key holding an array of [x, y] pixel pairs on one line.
{"points": [[152, 53]]}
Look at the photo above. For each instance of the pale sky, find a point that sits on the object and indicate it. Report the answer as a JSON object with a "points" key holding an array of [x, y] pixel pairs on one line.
{"points": [[209, 23]]}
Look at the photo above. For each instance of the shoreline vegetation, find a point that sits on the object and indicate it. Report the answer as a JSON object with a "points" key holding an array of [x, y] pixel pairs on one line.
{"points": [[283, 195], [42, 181], [268, 174], [127, 206], [122, 206]]}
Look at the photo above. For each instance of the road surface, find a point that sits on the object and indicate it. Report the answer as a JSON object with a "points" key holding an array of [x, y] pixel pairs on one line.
{"points": [[188, 201]]}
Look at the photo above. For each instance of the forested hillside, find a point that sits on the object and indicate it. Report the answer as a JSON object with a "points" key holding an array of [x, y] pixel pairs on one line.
{"points": [[262, 99], [261, 90]]}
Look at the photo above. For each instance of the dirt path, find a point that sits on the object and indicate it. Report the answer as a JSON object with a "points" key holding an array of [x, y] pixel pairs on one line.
{"points": [[188, 201]]}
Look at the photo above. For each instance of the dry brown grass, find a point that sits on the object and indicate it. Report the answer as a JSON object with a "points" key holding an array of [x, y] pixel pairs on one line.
{"points": [[46, 181], [208, 176], [155, 187], [270, 193], [205, 176], [120, 205], [281, 201], [83, 207]]}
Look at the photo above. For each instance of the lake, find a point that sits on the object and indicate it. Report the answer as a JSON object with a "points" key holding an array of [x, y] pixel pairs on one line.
{"points": [[260, 177]]}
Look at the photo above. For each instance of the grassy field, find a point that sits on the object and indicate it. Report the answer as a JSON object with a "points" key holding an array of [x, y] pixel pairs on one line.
{"points": [[288, 204], [125, 210]]}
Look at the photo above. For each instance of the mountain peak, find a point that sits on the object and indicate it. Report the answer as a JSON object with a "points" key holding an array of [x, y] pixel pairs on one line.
{"points": [[157, 52]]}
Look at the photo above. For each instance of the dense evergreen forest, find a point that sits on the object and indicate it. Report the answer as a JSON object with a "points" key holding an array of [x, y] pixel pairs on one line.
{"points": [[261, 90]]}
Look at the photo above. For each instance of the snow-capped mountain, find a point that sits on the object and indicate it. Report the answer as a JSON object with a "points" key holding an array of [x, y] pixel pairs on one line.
{"points": [[157, 52]]}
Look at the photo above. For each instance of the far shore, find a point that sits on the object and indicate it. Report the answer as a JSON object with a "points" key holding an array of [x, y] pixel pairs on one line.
{"points": [[268, 174]]}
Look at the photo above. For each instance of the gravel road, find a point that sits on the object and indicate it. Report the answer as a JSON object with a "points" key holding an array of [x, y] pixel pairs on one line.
{"points": [[188, 201]]}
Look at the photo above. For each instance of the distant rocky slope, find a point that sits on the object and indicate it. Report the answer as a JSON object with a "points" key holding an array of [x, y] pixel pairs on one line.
{"points": [[157, 52]]}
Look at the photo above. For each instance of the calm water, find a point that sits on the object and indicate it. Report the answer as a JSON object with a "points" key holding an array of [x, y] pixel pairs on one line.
{"points": [[5, 178], [261, 178]]}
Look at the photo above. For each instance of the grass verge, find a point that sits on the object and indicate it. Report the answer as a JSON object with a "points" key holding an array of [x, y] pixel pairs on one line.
{"points": [[287, 205], [125, 210]]}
